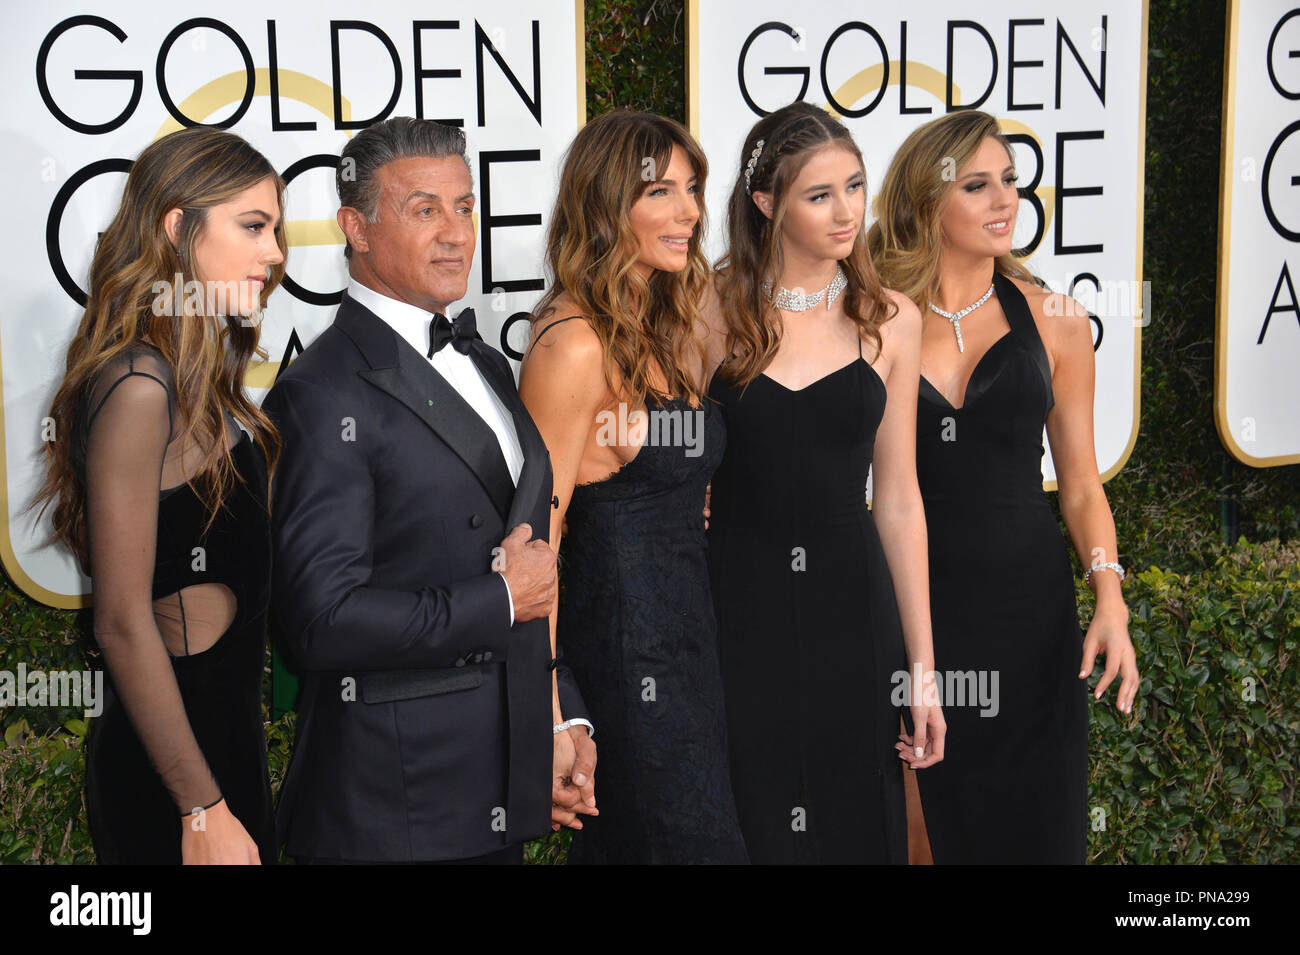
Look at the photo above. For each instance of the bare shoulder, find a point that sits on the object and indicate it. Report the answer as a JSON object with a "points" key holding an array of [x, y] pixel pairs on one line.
{"points": [[905, 318], [907, 311], [564, 329], [713, 323], [566, 354], [711, 307]]}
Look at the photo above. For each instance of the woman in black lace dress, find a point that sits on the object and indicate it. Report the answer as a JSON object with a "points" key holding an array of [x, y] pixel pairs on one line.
{"points": [[613, 378], [161, 492]]}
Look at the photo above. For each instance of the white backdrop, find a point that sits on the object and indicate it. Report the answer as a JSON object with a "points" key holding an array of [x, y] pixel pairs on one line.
{"points": [[1257, 343], [87, 87], [1066, 78]]}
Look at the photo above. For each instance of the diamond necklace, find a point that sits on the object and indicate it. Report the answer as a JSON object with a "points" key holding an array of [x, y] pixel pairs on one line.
{"points": [[802, 302], [955, 317]]}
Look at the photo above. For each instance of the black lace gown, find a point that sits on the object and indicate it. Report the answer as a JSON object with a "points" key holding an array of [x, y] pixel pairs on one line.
{"points": [[1013, 784], [154, 752], [808, 627], [636, 626]]}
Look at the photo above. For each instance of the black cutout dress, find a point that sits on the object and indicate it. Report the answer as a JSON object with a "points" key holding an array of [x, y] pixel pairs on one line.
{"points": [[151, 754]]}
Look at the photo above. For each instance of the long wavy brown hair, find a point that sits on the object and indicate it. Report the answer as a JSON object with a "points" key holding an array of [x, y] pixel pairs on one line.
{"points": [[754, 256], [591, 251], [191, 169], [907, 236]]}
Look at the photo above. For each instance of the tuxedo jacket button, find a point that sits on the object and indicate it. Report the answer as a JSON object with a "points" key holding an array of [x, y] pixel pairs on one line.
{"points": [[476, 521], [460, 661]]}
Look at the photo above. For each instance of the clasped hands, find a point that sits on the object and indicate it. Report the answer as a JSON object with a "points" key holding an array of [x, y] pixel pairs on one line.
{"points": [[573, 784]]}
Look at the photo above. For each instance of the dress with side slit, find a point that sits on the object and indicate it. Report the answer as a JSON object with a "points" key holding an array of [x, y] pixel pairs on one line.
{"points": [[1013, 784], [150, 755], [636, 627]]}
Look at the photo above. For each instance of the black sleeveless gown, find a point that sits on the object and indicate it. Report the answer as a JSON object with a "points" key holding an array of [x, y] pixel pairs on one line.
{"points": [[636, 627], [1013, 784], [808, 628], [133, 819]]}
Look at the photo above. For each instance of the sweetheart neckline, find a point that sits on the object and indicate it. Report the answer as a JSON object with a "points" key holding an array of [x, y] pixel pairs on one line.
{"points": [[830, 374], [969, 381]]}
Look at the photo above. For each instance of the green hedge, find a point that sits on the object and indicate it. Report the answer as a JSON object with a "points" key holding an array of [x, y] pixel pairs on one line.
{"points": [[1204, 769], [1196, 773]]}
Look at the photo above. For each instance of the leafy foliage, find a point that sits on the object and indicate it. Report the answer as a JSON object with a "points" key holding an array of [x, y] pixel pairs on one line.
{"points": [[1204, 769]]}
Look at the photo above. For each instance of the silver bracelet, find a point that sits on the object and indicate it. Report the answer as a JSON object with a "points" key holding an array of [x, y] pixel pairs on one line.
{"points": [[1087, 575]]}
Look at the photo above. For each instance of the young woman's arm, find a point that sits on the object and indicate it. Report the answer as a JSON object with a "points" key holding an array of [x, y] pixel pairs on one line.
{"points": [[562, 383], [1083, 502], [900, 519], [125, 447]]}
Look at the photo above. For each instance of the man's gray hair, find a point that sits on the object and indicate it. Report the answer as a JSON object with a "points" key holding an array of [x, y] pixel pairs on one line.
{"points": [[376, 146]]}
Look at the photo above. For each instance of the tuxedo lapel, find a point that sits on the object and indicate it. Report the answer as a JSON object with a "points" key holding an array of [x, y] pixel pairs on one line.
{"points": [[403, 373], [535, 477], [526, 506]]}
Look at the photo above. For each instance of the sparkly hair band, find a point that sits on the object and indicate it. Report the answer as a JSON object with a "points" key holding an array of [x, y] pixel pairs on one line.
{"points": [[753, 161]]}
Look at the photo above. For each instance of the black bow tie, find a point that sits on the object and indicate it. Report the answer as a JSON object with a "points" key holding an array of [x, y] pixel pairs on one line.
{"points": [[460, 332]]}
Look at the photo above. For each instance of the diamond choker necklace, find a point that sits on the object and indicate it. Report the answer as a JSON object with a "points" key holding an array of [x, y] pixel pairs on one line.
{"points": [[802, 302]]}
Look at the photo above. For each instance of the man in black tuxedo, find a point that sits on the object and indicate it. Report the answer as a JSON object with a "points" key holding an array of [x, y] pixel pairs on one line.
{"points": [[412, 577]]}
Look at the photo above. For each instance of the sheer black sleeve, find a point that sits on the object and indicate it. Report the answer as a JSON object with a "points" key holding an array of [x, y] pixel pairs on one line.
{"points": [[127, 431]]}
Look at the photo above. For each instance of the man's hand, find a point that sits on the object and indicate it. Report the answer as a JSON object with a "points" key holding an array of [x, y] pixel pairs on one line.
{"points": [[573, 786], [528, 565]]}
